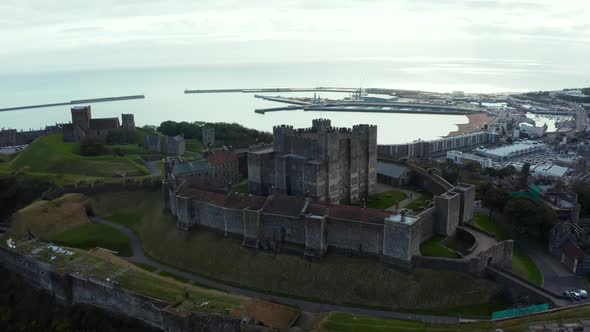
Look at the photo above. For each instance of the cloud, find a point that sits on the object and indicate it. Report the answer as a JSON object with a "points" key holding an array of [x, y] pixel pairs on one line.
{"points": [[151, 30]]}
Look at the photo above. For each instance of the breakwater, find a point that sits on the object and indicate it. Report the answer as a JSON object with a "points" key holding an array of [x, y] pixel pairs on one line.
{"points": [[73, 102], [261, 90]]}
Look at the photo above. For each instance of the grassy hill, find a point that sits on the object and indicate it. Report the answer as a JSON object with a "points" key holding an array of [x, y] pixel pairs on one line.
{"points": [[50, 155], [45, 219]]}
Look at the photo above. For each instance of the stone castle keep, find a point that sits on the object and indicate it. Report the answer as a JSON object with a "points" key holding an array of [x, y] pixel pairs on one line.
{"points": [[312, 169], [336, 165]]}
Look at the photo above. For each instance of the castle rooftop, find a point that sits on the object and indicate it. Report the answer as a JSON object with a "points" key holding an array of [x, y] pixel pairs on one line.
{"points": [[402, 219]]}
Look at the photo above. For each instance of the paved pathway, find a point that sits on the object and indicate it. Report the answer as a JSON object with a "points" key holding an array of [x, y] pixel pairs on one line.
{"points": [[410, 195], [139, 257]]}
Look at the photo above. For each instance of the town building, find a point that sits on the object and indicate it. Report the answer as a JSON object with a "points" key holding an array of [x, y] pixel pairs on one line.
{"points": [[83, 125], [392, 173], [336, 165], [533, 131], [438, 148], [507, 152], [464, 159], [225, 164], [169, 145]]}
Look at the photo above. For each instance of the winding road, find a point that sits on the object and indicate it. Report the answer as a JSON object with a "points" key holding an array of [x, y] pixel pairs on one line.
{"points": [[304, 305]]}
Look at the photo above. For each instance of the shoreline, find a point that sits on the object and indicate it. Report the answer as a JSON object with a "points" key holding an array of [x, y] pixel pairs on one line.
{"points": [[476, 122]]}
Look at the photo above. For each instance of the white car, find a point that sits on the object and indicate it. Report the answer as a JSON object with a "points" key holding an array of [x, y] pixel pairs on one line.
{"points": [[583, 293]]}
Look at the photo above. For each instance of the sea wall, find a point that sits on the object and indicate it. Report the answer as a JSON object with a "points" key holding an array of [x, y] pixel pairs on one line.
{"points": [[72, 288]]}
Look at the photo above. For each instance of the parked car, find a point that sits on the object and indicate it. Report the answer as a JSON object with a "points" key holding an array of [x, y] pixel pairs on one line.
{"points": [[568, 294], [583, 293], [576, 296]]}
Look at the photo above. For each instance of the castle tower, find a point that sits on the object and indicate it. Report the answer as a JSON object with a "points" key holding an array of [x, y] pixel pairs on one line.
{"points": [[128, 121], [81, 116], [281, 138], [208, 136], [321, 124]]}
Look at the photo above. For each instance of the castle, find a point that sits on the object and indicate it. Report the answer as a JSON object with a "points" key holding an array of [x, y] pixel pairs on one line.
{"points": [[336, 165], [301, 224], [310, 171], [83, 125]]}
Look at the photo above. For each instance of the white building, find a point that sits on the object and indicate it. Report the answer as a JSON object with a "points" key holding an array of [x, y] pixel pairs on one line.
{"points": [[549, 171], [532, 130], [461, 158], [511, 151]]}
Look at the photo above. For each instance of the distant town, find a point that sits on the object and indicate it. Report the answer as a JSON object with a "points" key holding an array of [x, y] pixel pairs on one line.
{"points": [[219, 227]]}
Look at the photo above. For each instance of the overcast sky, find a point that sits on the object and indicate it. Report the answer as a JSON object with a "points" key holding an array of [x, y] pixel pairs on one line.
{"points": [[55, 34]]}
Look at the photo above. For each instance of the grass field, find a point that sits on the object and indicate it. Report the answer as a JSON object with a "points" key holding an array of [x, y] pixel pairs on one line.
{"points": [[344, 322], [241, 187], [434, 248], [384, 200], [337, 279], [194, 145], [89, 236], [421, 202], [522, 264], [49, 155], [146, 267], [173, 276]]}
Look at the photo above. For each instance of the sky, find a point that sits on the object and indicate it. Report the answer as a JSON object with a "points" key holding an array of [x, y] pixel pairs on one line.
{"points": [[58, 34]]}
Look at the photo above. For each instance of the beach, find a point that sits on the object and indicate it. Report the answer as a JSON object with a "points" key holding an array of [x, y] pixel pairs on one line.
{"points": [[476, 122]]}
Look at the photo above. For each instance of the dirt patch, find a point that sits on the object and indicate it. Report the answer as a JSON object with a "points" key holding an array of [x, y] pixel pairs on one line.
{"points": [[272, 314], [45, 219]]}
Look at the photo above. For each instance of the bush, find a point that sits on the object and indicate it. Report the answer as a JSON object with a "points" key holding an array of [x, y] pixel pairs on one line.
{"points": [[91, 147]]}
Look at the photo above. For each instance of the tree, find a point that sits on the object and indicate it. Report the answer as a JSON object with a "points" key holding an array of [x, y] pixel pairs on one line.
{"points": [[91, 147], [506, 171], [525, 171], [493, 198], [530, 215], [450, 175], [586, 91]]}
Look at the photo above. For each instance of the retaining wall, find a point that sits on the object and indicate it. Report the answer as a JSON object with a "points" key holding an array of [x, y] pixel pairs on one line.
{"points": [[77, 289]]}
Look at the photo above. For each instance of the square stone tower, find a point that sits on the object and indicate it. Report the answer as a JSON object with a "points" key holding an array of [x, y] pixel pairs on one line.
{"points": [[128, 122], [208, 136]]}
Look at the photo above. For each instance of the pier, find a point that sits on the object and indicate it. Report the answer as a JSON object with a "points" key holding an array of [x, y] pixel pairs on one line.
{"points": [[73, 102], [263, 90]]}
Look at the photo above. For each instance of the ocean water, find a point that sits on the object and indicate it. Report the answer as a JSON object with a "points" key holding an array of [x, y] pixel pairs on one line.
{"points": [[165, 98]]}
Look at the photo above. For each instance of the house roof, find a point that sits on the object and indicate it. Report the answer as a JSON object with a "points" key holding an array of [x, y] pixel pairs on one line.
{"points": [[104, 123], [391, 169], [221, 157], [192, 166], [571, 250]]}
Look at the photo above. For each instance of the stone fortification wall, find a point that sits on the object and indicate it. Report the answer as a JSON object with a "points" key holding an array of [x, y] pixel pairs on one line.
{"points": [[500, 255], [78, 289]]}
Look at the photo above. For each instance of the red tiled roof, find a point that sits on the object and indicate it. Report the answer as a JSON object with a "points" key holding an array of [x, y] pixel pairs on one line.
{"points": [[358, 213], [572, 251], [221, 157], [104, 123], [241, 201]]}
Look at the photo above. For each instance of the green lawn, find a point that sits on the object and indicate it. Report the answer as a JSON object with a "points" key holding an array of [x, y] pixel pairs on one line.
{"points": [[194, 145], [421, 202], [522, 264], [174, 276], [384, 200], [146, 267], [132, 221], [434, 248], [92, 235], [486, 223], [345, 322], [337, 279], [50, 155], [241, 188]]}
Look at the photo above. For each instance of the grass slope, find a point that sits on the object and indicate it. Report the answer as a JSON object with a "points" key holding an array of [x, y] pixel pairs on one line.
{"points": [[344, 322], [89, 236], [50, 155], [421, 202], [522, 263], [45, 219], [337, 279], [434, 248]]}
